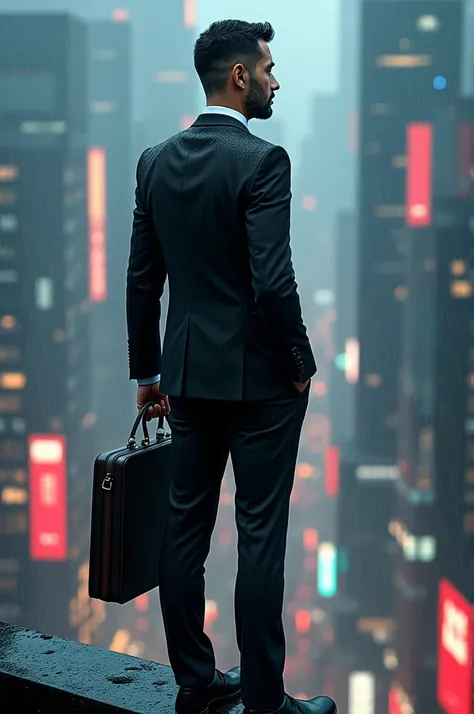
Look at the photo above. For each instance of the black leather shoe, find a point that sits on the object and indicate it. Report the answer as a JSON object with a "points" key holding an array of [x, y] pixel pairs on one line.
{"points": [[224, 688], [318, 705]]}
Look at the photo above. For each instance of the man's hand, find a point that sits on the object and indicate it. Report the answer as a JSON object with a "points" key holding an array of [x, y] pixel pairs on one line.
{"points": [[151, 393], [301, 386]]}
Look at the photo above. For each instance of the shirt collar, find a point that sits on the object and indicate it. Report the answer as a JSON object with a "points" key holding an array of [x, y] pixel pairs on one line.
{"points": [[226, 111]]}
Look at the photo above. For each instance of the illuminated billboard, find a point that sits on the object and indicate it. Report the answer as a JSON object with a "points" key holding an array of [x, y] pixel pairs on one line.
{"points": [[419, 175], [455, 651], [48, 497]]}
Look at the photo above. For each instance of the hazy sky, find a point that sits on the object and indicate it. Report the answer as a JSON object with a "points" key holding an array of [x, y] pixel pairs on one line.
{"points": [[304, 51], [305, 48]]}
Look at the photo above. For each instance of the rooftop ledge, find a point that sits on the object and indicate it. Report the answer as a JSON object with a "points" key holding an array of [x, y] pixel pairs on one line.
{"points": [[48, 674]]}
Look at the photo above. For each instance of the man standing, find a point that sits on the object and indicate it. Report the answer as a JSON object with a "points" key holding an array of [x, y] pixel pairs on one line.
{"points": [[213, 214]]}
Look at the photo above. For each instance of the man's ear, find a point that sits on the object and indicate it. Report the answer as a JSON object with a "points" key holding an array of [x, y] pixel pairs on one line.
{"points": [[240, 75]]}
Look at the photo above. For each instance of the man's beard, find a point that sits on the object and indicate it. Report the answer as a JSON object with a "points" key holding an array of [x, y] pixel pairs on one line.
{"points": [[258, 105]]}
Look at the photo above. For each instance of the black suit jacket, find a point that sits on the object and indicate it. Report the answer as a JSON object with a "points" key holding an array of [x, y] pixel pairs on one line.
{"points": [[213, 214]]}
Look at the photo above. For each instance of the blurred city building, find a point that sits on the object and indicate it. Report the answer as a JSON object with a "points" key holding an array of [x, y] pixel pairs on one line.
{"points": [[380, 586], [434, 527], [410, 70], [45, 417]]}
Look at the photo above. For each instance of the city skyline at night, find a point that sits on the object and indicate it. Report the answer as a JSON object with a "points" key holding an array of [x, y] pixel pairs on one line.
{"points": [[379, 604]]}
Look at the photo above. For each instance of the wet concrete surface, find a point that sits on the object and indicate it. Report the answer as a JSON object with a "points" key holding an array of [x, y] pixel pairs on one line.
{"points": [[48, 674]]}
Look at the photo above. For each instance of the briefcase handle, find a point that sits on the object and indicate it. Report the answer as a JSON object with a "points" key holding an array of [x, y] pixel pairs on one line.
{"points": [[141, 417]]}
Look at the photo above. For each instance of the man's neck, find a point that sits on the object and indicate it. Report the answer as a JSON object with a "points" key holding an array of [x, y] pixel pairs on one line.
{"points": [[216, 102]]}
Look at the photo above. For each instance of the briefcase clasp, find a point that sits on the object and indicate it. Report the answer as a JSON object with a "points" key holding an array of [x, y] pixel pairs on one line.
{"points": [[107, 483]]}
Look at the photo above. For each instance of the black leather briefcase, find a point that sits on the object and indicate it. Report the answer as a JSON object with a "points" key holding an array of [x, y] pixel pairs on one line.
{"points": [[130, 499]]}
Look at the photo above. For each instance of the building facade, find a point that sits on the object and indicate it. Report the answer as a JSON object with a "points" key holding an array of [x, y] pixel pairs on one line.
{"points": [[44, 390]]}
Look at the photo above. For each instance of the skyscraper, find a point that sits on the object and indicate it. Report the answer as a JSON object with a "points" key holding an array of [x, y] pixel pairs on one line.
{"points": [[434, 527], [410, 69], [410, 66], [44, 352]]}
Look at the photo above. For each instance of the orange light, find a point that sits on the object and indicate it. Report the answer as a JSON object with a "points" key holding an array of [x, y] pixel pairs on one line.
{"points": [[9, 173], [461, 289], [12, 380], [458, 267], [400, 293], [190, 14], [310, 539], [97, 210], [302, 621], [211, 612], [304, 470], [8, 322], [120, 641], [14, 496], [404, 61]]}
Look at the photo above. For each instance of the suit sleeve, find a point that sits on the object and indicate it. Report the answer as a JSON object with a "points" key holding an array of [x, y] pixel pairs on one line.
{"points": [[146, 276], [273, 278]]}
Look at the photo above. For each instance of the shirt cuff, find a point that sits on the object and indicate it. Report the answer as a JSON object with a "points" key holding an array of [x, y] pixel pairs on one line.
{"points": [[148, 380]]}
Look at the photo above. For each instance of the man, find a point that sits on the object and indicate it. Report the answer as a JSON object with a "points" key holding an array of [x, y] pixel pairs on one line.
{"points": [[213, 214]]}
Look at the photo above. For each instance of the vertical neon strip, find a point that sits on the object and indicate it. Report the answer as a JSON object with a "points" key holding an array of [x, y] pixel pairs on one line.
{"points": [[97, 212], [327, 570], [393, 702], [332, 472], [48, 497], [190, 14], [351, 363], [418, 181]]}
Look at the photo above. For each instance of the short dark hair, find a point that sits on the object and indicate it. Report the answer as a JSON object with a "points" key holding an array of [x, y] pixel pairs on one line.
{"points": [[225, 43]]}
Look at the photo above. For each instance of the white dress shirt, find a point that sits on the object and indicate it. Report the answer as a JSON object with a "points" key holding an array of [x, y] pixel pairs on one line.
{"points": [[228, 112]]}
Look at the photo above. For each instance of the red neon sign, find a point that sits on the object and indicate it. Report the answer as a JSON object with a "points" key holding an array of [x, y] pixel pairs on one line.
{"points": [[394, 702], [419, 170], [48, 498], [97, 211], [332, 471], [456, 651]]}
